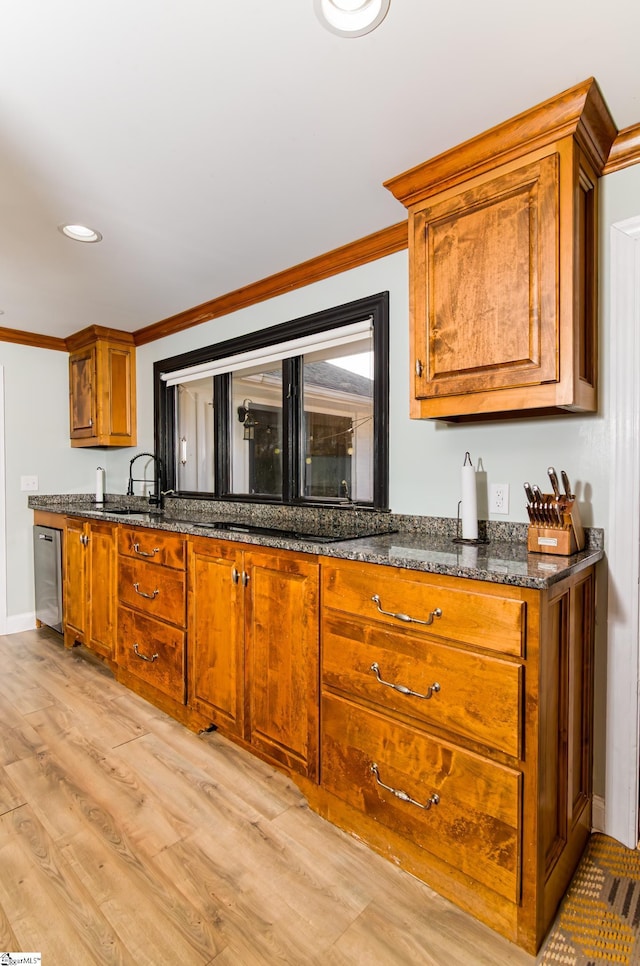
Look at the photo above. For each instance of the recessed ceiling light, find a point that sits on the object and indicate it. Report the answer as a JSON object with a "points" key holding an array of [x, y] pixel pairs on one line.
{"points": [[80, 233], [351, 18]]}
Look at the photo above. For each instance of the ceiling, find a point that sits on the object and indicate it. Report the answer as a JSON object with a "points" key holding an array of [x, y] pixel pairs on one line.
{"points": [[214, 144]]}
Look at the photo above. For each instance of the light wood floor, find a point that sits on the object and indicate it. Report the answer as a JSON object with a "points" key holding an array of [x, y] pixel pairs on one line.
{"points": [[125, 839]]}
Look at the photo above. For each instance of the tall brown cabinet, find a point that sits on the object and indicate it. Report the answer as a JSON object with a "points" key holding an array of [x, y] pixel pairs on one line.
{"points": [[503, 264]]}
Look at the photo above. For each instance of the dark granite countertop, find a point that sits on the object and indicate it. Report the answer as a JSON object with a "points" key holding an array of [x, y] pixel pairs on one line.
{"points": [[417, 543]]}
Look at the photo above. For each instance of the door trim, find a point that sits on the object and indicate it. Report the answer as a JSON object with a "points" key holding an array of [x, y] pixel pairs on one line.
{"points": [[623, 539]]}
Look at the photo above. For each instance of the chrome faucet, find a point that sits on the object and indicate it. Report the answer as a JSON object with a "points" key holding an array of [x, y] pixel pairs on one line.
{"points": [[157, 497]]}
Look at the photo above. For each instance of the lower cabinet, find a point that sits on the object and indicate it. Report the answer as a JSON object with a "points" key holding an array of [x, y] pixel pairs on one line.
{"points": [[253, 648], [90, 586], [448, 723], [456, 733]]}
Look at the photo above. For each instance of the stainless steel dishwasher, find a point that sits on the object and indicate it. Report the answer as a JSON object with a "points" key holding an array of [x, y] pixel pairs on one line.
{"points": [[47, 560]]}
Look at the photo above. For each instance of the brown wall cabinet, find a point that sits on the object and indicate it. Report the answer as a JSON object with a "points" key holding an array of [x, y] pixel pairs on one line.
{"points": [[503, 265], [253, 655], [102, 388]]}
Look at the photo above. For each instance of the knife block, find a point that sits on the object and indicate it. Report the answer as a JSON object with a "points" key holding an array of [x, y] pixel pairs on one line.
{"points": [[562, 540]]}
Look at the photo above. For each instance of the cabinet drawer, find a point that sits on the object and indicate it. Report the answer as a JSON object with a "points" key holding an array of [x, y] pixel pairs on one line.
{"points": [[473, 827], [153, 652], [479, 696], [153, 546], [486, 620], [155, 590]]}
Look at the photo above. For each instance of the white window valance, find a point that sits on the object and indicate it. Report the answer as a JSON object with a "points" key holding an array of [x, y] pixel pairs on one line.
{"points": [[272, 355]]}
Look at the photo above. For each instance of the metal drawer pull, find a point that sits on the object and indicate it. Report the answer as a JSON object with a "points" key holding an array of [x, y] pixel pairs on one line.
{"points": [[432, 800], [143, 657], [141, 593], [375, 667], [142, 553], [405, 617]]}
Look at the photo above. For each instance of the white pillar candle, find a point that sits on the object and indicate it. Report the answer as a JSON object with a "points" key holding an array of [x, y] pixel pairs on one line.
{"points": [[469, 501], [99, 485]]}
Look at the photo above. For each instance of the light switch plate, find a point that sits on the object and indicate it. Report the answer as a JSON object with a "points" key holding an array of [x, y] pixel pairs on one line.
{"points": [[28, 482]]}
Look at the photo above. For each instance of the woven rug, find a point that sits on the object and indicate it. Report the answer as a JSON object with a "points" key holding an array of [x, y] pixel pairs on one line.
{"points": [[599, 920]]}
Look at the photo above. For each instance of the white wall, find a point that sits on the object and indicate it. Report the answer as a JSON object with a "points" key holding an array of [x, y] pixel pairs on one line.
{"points": [[36, 444]]}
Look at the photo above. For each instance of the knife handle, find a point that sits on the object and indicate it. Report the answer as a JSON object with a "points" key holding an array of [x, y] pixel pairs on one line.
{"points": [[567, 485], [554, 482], [529, 494]]}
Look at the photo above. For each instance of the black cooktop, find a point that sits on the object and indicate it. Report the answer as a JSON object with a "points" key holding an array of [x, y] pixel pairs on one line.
{"points": [[320, 535]]}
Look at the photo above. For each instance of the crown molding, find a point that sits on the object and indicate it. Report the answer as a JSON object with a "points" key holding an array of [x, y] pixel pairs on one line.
{"points": [[625, 150], [368, 249], [94, 333], [20, 337], [580, 111]]}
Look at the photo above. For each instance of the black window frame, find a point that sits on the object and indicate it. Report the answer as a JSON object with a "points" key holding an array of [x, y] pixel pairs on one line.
{"points": [[374, 306]]}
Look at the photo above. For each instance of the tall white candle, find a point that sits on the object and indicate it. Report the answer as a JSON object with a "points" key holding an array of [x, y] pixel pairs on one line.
{"points": [[469, 501], [99, 485]]}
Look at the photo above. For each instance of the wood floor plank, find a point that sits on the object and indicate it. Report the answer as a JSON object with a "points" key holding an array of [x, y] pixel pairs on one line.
{"points": [[10, 795], [44, 901], [268, 792], [90, 693], [258, 926], [17, 737], [101, 777], [24, 696], [8, 939], [150, 916]]}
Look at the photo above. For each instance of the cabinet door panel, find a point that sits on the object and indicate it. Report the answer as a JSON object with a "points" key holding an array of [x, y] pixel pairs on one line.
{"points": [[119, 416], [282, 642], [75, 597], [216, 634], [82, 399], [102, 588], [486, 300]]}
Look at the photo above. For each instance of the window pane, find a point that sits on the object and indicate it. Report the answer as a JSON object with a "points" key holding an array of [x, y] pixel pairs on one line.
{"points": [[194, 456], [338, 423], [256, 431]]}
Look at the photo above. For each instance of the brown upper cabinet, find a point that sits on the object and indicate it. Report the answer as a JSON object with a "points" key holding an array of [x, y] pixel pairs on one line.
{"points": [[503, 264], [102, 388]]}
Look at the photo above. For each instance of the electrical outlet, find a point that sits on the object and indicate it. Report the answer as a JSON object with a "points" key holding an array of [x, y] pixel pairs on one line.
{"points": [[499, 498], [28, 482]]}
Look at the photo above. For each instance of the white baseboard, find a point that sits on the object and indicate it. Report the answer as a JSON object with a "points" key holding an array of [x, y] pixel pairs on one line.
{"points": [[20, 622], [597, 814]]}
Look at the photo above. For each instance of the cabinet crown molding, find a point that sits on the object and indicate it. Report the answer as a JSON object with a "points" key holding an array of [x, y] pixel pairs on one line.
{"points": [[580, 112], [95, 333]]}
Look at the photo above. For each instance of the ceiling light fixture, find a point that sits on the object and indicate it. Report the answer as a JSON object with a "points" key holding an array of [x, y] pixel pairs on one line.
{"points": [[80, 233], [351, 18]]}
